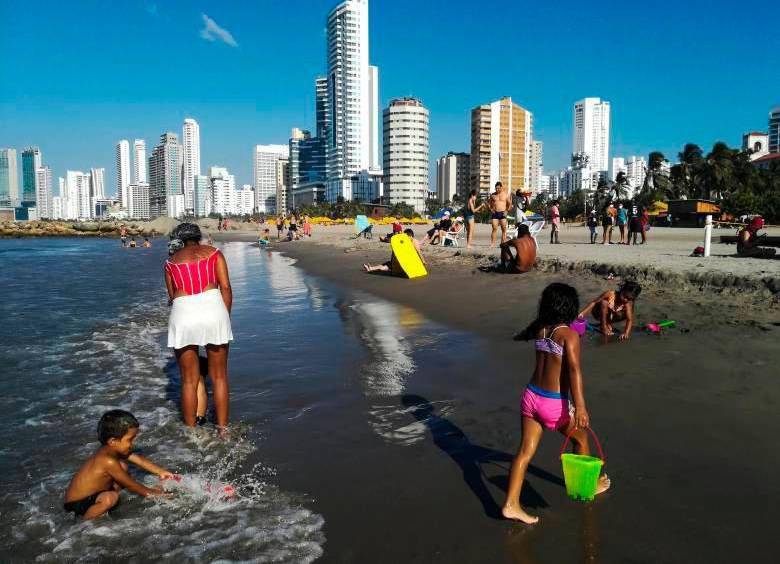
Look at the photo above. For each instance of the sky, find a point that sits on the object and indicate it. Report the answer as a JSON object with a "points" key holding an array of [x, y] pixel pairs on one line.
{"points": [[76, 77]]}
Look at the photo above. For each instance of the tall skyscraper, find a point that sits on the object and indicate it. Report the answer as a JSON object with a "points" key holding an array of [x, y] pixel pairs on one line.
{"points": [[352, 96], [406, 154], [43, 196], [282, 185], [321, 106], [97, 183], [139, 162], [138, 201], [223, 191], [9, 178], [774, 130], [190, 159], [501, 136], [122, 171], [307, 163], [165, 194], [201, 195], [265, 159], [31, 162], [452, 177], [78, 203], [537, 163], [591, 131]]}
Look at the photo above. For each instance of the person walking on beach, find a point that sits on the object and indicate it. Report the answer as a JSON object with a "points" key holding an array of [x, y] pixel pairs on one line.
{"points": [[198, 284], [555, 222], [593, 223], [622, 220], [279, 227], [471, 211], [607, 222], [306, 226], [554, 398], [500, 203]]}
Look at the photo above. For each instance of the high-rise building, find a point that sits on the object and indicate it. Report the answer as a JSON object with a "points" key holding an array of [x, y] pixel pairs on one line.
{"points": [[591, 131], [282, 185], [406, 156], [58, 207], [78, 204], [544, 184], [321, 106], [138, 201], [190, 149], [501, 136], [352, 97], [307, 161], [223, 191], [97, 183], [139, 162], [201, 195], [31, 162], [43, 196], [9, 179], [774, 130], [165, 194], [245, 200], [122, 171], [452, 177], [265, 159], [536, 166]]}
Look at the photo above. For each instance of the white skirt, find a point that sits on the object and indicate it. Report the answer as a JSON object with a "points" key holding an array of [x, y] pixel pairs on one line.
{"points": [[200, 319]]}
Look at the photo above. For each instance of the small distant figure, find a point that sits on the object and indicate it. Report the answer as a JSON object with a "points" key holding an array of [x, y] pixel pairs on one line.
{"points": [[133, 244], [608, 223], [748, 240], [500, 203], [435, 235], [554, 398], [644, 219], [123, 235], [615, 306], [279, 227], [471, 210], [292, 231], [397, 228], [306, 226], [622, 220], [555, 222], [525, 252], [265, 237], [95, 488], [392, 265], [210, 240], [147, 244], [593, 223], [635, 228]]}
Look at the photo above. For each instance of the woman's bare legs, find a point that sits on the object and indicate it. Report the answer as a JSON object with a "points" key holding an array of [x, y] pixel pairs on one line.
{"points": [[203, 398], [469, 232], [189, 369], [532, 434], [218, 358]]}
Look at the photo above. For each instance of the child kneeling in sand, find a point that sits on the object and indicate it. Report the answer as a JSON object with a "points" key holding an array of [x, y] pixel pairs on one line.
{"points": [[612, 306], [556, 382], [95, 488]]}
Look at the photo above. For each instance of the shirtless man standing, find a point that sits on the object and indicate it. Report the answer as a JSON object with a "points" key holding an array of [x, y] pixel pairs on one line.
{"points": [[500, 204]]}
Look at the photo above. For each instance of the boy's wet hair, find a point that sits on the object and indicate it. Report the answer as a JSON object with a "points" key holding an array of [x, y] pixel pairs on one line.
{"points": [[559, 305], [409, 232], [115, 424], [631, 289], [523, 230]]}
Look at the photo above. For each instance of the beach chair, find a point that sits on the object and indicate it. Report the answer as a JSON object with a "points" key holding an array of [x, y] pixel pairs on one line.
{"points": [[363, 227], [534, 230], [454, 237]]}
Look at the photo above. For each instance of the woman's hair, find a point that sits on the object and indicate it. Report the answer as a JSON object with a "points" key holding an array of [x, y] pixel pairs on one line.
{"points": [[559, 305], [473, 192], [186, 232], [630, 289], [115, 424]]}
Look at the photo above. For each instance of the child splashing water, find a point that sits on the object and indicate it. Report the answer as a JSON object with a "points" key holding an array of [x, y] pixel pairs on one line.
{"points": [[556, 382]]}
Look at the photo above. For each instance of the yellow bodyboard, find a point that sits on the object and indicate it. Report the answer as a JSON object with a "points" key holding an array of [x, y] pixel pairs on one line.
{"points": [[407, 257]]}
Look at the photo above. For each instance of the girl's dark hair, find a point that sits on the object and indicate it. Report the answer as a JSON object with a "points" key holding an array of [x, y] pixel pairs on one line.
{"points": [[559, 305], [409, 232], [631, 289], [473, 192], [115, 424]]}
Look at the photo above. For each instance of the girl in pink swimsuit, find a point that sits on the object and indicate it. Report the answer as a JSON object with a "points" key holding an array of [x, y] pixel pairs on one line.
{"points": [[554, 398]]}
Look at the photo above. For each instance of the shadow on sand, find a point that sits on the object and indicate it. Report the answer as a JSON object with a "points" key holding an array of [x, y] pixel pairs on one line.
{"points": [[471, 458]]}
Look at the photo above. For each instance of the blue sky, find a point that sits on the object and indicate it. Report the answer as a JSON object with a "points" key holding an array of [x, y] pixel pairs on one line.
{"points": [[75, 77]]}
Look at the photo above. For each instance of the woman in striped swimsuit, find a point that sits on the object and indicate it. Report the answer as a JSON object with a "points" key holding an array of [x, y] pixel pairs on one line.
{"points": [[199, 290]]}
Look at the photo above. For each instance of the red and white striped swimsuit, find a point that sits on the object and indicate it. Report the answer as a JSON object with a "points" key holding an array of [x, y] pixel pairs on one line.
{"points": [[193, 277]]}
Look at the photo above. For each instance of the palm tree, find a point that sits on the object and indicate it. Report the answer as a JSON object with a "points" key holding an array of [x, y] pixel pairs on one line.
{"points": [[620, 186], [718, 172], [687, 177]]}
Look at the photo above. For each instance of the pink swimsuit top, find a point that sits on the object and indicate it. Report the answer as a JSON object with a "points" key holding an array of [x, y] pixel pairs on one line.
{"points": [[546, 344], [193, 277]]}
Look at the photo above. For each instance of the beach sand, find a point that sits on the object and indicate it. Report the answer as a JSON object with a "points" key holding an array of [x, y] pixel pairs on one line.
{"points": [[686, 419]]}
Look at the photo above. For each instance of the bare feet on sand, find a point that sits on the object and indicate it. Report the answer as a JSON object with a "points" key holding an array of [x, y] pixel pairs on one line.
{"points": [[516, 513], [604, 484]]}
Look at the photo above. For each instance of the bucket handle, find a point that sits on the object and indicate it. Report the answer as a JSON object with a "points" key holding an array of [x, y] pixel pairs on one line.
{"points": [[595, 438]]}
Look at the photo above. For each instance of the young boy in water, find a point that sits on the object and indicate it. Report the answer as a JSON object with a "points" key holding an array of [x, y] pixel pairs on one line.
{"points": [[615, 305], [95, 488]]}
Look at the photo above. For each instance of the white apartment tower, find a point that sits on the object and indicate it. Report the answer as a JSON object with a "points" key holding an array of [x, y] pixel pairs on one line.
{"points": [[190, 159], [406, 154], [536, 166], [122, 171], [78, 204], [97, 183], [591, 131], [452, 177], [43, 195], [265, 163], [223, 191], [139, 162], [353, 98]]}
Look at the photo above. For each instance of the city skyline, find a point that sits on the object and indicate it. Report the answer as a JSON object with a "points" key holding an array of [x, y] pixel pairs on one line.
{"points": [[265, 98]]}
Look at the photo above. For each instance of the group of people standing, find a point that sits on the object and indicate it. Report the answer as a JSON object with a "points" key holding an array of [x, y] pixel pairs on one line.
{"points": [[631, 224], [297, 226]]}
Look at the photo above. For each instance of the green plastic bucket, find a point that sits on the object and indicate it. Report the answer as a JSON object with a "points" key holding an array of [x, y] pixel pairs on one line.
{"points": [[580, 472]]}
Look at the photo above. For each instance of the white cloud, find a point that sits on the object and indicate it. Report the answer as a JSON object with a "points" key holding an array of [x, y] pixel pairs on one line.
{"points": [[212, 32]]}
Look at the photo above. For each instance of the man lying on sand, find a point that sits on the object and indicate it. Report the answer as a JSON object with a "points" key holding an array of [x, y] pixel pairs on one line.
{"points": [[748, 240], [392, 265], [612, 306], [525, 251]]}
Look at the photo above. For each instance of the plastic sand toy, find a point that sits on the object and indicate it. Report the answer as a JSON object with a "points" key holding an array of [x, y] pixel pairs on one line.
{"points": [[580, 472]]}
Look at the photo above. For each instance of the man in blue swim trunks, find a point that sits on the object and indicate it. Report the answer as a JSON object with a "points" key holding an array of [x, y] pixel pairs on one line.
{"points": [[500, 203]]}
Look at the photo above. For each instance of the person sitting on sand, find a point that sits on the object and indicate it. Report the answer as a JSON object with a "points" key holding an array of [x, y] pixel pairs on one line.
{"points": [[500, 204], [397, 228], [436, 235], [613, 306], [95, 487], [147, 244], [525, 251], [392, 265], [265, 237], [748, 240], [554, 398]]}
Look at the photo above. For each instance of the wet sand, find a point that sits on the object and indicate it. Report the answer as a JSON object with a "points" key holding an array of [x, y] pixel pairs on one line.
{"points": [[687, 421]]}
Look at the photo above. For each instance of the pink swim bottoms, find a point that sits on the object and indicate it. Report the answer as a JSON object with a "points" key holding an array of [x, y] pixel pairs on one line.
{"points": [[552, 409]]}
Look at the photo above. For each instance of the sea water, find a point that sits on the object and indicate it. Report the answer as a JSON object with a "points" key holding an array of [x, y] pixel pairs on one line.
{"points": [[83, 331]]}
